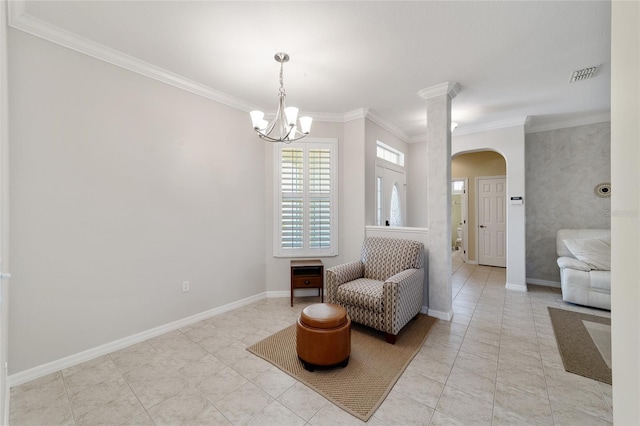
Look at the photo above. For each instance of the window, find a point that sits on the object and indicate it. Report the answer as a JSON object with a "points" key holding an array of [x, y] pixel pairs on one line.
{"points": [[395, 216], [389, 154], [457, 187], [306, 192], [379, 201]]}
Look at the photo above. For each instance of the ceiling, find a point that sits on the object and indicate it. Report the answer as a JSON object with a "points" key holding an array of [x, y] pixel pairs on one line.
{"points": [[512, 59]]}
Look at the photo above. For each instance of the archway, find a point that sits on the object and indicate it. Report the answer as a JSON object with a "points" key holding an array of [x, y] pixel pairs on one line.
{"points": [[475, 167], [509, 143]]}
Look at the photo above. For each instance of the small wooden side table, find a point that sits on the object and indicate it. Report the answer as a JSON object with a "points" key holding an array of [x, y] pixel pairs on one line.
{"points": [[307, 274]]}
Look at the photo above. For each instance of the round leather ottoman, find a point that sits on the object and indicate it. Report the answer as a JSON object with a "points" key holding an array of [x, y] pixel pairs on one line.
{"points": [[323, 336]]}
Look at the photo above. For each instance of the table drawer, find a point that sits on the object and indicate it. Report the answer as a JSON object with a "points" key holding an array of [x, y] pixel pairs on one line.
{"points": [[306, 282]]}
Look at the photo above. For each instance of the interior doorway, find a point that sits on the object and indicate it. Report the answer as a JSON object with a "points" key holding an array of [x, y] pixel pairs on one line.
{"points": [[474, 165], [459, 213]]}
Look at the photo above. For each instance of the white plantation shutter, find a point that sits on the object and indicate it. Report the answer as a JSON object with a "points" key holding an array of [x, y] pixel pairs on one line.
{"points": [[292, 202], [320, 198], [305, 212]]}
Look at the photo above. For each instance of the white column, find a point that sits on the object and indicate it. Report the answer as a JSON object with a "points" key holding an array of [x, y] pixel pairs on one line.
{"points": [[439, 195]]}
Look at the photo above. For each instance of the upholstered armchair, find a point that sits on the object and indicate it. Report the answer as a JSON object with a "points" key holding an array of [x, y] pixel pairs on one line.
{"points": [[383, 289]]}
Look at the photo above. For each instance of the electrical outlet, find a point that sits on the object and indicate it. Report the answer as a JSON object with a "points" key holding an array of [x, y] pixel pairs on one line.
{"points": [[185, 286]]}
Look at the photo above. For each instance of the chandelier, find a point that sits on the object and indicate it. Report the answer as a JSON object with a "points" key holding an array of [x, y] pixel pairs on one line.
{"points": [[283, 127]]}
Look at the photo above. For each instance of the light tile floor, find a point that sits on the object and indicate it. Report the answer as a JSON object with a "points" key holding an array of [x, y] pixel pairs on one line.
{"points": [[495, 363]]}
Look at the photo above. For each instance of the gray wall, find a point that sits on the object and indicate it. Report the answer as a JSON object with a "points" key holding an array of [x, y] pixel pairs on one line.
{"points": [[562, 168], [121, 188]]}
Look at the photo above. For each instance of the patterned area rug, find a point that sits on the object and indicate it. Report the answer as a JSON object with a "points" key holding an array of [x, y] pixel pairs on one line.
{"points": [[585, 343], [374, 365]]}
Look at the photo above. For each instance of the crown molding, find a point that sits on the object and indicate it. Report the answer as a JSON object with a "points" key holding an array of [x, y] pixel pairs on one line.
{"points": [[20, 20], [494, 125], [599, 117], [387, 125], [374, 117], [328, 117], [450, 88], [355, 114], [418, 139]]}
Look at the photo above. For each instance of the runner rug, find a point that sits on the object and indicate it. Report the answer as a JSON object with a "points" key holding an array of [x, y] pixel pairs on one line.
{"points": [[585, 343], [373, 369]]}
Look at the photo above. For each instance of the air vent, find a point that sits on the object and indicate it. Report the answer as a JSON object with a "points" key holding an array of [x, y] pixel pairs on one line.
{"points": [[583, 74]]}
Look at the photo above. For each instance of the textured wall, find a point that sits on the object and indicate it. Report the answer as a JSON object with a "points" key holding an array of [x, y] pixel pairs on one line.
{"points": [[562, 168]]}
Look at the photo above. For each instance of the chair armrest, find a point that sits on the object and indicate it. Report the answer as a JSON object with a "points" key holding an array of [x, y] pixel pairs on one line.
{"points": [[340, 274], [403, 293], [571, 263]]}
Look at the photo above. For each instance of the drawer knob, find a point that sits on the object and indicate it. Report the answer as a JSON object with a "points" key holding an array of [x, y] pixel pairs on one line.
{"points": [[307, 282]]}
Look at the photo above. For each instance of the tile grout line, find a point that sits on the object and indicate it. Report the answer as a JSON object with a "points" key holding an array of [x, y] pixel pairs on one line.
{"points": [[495, 387], [457, 353], [129, 386], [544, 373], [66, 391], [463, 337]]}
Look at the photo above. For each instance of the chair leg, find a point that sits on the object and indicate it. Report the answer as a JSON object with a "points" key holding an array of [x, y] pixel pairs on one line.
{"points": [[391, 338]]}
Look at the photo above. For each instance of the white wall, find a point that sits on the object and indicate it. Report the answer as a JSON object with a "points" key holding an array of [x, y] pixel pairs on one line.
{"points": [[509, 142], [417, 186], [121, 188], [4, 219], [625, 205]]}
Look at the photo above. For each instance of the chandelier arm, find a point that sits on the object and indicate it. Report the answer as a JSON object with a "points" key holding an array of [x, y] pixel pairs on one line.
{"points": [[267, 137]]}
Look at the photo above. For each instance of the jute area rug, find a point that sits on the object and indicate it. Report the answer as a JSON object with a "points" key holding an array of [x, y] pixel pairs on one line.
{"points": [[373, 369], [585, 343]]}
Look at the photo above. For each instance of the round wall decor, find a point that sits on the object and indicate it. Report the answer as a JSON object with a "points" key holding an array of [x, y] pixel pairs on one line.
{"points": [[603, 190]]}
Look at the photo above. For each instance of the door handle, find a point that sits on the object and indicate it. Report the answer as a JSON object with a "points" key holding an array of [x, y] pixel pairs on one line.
{"points": [[482, 226]]}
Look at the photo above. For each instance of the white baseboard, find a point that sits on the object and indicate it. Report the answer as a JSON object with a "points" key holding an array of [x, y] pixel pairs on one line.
{"points": [[445, 316], [545, 283], [516, 287], [71, 360]]}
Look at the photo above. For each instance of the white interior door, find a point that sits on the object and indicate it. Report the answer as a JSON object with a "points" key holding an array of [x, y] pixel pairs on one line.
{"points": [[390, 196], [492, 237]]}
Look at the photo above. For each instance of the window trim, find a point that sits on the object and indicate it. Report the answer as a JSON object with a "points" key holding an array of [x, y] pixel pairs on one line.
{"points": [[305, 252]]}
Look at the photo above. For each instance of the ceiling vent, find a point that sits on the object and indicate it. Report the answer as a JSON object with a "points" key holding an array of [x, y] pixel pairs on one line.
{"points": [[583, 74]]}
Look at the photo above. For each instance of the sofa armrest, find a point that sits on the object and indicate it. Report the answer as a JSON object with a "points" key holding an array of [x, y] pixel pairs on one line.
{"points": [[340, 274], [403, 293], [571, 263]]}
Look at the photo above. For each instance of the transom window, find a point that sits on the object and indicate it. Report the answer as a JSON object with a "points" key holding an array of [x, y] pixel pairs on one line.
{"points": [[306, 193], [390, 154]]}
